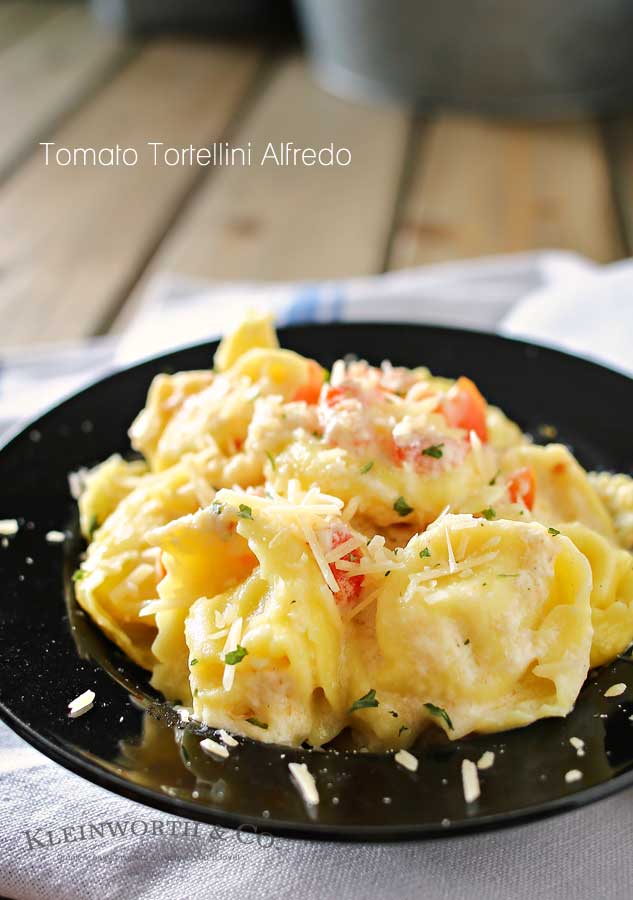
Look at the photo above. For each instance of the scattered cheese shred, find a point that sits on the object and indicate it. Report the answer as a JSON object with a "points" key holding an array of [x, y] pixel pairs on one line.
{"points": [[55, 537], [452, 562], [615, 690], [407, 760], [8, 527], [573, 775], [578, 744], [81, 704], [486, 760], [305, 782], [214, 748], [227, 738], [470, 781]]}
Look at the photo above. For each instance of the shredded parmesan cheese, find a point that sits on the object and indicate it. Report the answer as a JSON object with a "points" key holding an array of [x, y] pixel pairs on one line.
{"points": [[578, 744], [81, 704], [227, 738], [407, 760], [305, 782], [8, 527], [615, 690], [214, 748], [55, 537], [470, 781], [452, 562], [486, 760], [573, 775]]}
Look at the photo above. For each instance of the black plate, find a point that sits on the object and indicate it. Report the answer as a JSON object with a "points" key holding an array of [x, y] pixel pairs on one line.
{"points": [[50, 651]]}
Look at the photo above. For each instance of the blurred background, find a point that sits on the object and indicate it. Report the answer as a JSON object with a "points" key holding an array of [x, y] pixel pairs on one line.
{"points": [[475, 127]]}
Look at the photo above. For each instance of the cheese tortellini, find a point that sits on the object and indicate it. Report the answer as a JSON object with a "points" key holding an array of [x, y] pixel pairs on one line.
{"points": [[352, 556]]}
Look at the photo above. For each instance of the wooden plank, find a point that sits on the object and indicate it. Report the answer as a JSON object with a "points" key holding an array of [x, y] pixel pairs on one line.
{"points": [[74, 238], [619, 138], [294, 222], [47, 72], [480, 187], [19, 17]]}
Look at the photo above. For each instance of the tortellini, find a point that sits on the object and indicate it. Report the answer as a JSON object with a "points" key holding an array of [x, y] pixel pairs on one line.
{"points": [[354, 556]]}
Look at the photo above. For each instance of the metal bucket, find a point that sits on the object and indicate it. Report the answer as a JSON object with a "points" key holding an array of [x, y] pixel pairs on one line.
{"points": [[534, 58]]}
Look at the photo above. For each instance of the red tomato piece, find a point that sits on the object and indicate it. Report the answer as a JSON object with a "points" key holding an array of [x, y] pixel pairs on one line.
{"points": [[464, 407], [522, 486], [310, 390]]}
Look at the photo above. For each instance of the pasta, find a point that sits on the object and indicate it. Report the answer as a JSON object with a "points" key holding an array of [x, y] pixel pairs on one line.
{"points": [[357, 555]]}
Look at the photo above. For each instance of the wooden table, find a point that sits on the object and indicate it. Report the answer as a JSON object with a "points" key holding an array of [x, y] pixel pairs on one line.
{"points": [[78, 245]]}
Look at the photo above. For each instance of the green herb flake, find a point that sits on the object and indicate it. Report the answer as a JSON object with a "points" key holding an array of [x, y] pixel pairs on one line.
{"points": [[425, 554], [185, 755], [256, 722], [271, 460], [78, 575], [217, 508], [440, 713], [245, 512], [493, 480], [366, 702], [194, 662], [233, 657], [488, 513], [435, 451], [367, 467], [466, 642], [326, 376], [553, 531], [93, 524], [402, 507], [403, 728], [508, 575], [393, 713], [388, 572]]}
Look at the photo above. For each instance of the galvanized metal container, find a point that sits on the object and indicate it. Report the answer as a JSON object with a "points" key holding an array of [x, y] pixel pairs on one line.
{"points": [[532, 58]]}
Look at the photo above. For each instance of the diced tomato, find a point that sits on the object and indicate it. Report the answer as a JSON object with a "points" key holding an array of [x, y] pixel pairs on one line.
{"points": [[522, 486], [464, 407], [349, 585], [311, 388], [335, 395]]}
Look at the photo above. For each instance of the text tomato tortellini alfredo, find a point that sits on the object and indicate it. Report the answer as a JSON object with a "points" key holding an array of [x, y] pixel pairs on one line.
{"points": [[371, 551]]}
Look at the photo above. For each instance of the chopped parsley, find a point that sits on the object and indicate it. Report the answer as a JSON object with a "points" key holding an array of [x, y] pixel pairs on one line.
{"points": [[326, 375], [78, 575], [493, 480], [245, 512], [508, 575], [488, 513], [256, 722], [425, 554], [393, 713], [403, 728], [233, 657], [271, 460], [435, 451], [367, 467], [93, 524], [402, 507], [440, 713], [388, 572], [466, 642], [217, 507], [366, 702], [194, 662], [553, 531]]}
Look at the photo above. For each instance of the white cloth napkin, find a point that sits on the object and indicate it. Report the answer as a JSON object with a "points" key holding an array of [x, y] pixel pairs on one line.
{"points": [[554, 298]]}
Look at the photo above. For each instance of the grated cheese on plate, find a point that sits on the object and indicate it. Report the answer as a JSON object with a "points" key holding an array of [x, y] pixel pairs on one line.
{"points": [[573, 775], [407, 760], [227, 738], [55, 537], [578, 744], [305, 782], [81, 704], [486, 760], [470, 781], [615, 690], [8, 527], [214, 748]]}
